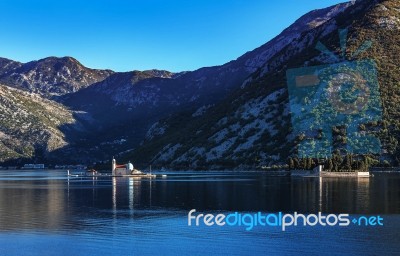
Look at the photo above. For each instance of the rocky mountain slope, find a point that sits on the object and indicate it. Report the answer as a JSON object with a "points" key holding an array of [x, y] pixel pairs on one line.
{"points": [[126, 105], [50, 76], [236, 114], [252, 127], [30, 125]]}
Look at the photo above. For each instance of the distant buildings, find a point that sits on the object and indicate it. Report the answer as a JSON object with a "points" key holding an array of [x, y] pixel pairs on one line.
{"points": [[42, 166], [33, 166], [71, 166]]}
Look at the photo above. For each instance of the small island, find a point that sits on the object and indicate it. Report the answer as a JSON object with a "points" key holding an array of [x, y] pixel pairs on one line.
{"points": [[336, 166]]}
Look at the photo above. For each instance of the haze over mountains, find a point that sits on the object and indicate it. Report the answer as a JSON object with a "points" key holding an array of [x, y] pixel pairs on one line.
{"points": [[234, 115]]}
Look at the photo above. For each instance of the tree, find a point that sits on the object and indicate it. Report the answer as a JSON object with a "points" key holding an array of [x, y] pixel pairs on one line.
{"points": [[296, 163], [330, 164], [304, 163], [337, 160], [386, 163], [348, 162], [361, 166], [335, 166], [291, 163], [310, 163]]}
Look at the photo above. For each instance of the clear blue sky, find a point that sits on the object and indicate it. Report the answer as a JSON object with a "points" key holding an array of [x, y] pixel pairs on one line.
{"points": [[126, 35]]}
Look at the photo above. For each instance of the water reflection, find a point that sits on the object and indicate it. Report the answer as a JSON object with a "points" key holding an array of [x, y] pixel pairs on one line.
{"points": [[81, 202], [114, 195], [24, 206], [335, 195]]}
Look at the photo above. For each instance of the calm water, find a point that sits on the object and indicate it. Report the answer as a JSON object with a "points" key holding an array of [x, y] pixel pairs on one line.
{"points": [[46, 213]]}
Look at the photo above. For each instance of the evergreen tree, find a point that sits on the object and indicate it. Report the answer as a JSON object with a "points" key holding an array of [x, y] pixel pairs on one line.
{"points": [[330, 164], [304, 163], [296, 163], [310, 163], [335, 167], [348, 162], [337, 161], [366, 163], [361, 166], [291, 163]]}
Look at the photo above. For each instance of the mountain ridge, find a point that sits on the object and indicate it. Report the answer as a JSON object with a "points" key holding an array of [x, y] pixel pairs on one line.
{"points": [[252, 126], [50, 76], [231, 115]]}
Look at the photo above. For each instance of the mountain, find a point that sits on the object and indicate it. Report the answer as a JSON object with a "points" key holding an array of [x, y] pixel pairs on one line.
{"points": [[251, 127], [7, 65], [257, 58], [125, 106], [30, 125], [233, 115], [50, 76], [116, 110]]}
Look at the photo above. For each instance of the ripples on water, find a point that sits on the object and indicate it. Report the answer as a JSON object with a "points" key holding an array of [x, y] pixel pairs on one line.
{"points": [[47, 213]]}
